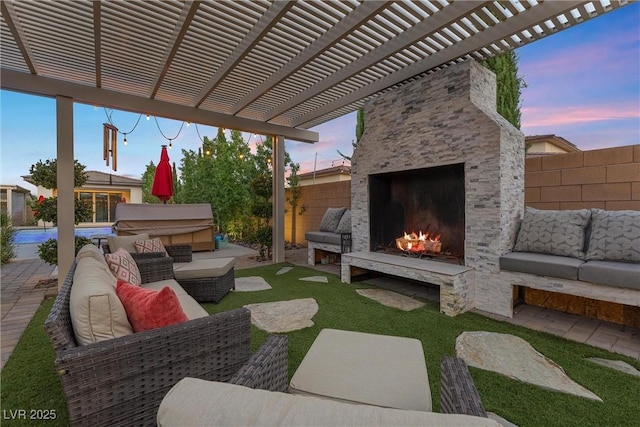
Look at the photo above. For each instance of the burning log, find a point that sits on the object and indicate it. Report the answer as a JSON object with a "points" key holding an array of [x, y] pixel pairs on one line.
{"points": [[418, 243]]}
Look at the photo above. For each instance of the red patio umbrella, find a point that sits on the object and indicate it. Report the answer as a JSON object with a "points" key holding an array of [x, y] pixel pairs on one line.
{"points": [[163, 179]]}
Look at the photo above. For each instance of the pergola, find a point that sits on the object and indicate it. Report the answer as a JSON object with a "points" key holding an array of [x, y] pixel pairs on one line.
{"points": [[267, 67]]}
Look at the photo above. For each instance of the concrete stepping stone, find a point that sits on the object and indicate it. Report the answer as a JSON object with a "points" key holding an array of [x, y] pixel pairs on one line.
{"points": [[251, 283], [283, 316], [284, 270], [318, 279], [618, 365], [391, 299], [517, 359]]}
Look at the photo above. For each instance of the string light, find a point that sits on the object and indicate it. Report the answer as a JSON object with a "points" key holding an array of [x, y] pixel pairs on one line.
{"points": [[124, 133], [188, 124], [148, 117]]}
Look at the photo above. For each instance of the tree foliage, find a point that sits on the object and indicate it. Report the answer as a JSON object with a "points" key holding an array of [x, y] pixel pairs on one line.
{"points": [[509, 84], [45, 174], [7, 238], [147, 184]]}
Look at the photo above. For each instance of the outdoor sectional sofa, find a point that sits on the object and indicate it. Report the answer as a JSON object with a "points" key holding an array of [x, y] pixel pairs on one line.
{"points": [[588, 252], [119, 378]]}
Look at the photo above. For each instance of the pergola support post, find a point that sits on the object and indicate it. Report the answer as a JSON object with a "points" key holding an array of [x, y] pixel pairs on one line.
{"points": [[278, 199], [65, 177]]}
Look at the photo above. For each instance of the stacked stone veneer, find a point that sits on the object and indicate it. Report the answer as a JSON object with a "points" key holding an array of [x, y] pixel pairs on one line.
{"points": [[444, 118]]}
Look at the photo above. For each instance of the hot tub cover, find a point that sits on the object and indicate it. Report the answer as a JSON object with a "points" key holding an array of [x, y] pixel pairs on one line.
{"points": [[161, 219]]}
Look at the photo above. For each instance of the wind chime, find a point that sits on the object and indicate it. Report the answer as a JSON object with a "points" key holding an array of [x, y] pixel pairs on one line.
{"points": [[110, 145]]}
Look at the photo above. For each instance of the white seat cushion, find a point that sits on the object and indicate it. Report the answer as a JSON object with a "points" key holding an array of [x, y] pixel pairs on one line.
{"points": [[365, 368], [200, 268], [195, 402]]}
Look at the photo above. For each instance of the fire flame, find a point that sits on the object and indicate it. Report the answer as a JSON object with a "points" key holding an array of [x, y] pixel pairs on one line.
{"points": [[421, 242]]}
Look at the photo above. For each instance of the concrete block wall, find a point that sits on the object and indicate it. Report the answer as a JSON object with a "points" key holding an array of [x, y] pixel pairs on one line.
{"points": [[605, 179], [315, 199]]}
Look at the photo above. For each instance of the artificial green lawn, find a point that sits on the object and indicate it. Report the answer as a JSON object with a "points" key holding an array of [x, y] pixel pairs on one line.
{"points": [[29, 380]]}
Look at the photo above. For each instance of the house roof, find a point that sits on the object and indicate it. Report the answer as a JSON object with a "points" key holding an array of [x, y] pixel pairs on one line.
{"points": [[16, 188], [102, 178], [558, 141], [334, 170], [269, 67]]}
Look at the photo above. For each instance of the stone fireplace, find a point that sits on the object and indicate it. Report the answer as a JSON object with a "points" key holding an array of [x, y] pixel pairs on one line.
{"points": [[436, 153]]}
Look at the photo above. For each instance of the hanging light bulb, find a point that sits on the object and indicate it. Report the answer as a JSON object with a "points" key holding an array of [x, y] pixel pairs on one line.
{"points": [[148, 117], [170, 145], [207, 152], [188, 124], [125, 140]]}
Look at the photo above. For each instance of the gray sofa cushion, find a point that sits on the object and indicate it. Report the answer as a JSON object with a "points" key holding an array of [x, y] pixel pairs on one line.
{"points": [[345, 223], [615, 236], [621, 274], [541, 264], [322, 237], [553, 232], [331, 219]]}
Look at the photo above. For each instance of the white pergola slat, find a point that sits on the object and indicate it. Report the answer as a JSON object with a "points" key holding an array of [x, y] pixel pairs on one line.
{"points": [[289, 64]]}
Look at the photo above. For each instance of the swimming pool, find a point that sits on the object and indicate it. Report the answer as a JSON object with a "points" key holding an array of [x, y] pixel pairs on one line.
{"points": [[41, 235]]}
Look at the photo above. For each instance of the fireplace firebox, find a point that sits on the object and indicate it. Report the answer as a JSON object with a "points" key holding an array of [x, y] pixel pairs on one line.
{"points": [[427, 201]]}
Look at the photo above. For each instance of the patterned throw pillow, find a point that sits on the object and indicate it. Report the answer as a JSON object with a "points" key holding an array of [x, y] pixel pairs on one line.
{"points": [[148, 246], [149, 309], [331, 219], [615, 236], [553, 232], [124, 267], [345, 223]]}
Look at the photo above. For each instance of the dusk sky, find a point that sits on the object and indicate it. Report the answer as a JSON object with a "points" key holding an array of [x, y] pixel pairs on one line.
{"points": [[583, 84]]}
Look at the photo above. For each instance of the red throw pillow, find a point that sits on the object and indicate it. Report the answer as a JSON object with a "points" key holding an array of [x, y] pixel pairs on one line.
{"points": [[149, 309]]}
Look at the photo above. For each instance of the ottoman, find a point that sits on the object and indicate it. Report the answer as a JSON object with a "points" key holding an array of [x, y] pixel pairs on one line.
{"points": [[363, 368], [206, 280]]}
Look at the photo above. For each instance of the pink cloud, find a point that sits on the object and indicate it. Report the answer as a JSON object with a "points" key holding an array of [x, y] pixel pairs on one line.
{"points": [[563, 116]]}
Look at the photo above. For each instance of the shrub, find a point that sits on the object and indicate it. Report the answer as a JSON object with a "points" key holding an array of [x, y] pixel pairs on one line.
{"points": [[7, 245], [48, 250]]}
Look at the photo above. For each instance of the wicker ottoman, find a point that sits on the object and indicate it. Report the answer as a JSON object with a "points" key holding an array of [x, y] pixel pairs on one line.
{"points": [[365, 368], [206, 280]]}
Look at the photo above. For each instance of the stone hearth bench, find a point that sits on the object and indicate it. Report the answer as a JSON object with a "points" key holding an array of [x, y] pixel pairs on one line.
{"points": [[456, 282], [550, 254]]}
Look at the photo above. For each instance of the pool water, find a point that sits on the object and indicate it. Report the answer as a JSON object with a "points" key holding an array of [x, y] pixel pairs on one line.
{"points": [[41, 235]]}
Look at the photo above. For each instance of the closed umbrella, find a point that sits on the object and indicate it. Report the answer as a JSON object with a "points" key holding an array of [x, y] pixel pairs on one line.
{"points": [[163, 179]]}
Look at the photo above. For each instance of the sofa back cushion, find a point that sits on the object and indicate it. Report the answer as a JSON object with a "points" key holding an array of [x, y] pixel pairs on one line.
{"points": [[344, 226], [96, 311], [615, 236], [125, 242], [91, 251], [553, 232], [331, 219]]}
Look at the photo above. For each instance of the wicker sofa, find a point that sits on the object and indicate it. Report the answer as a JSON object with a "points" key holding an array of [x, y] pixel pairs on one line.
{"points": [[121, 381], [206, 403], [203, 287]]}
